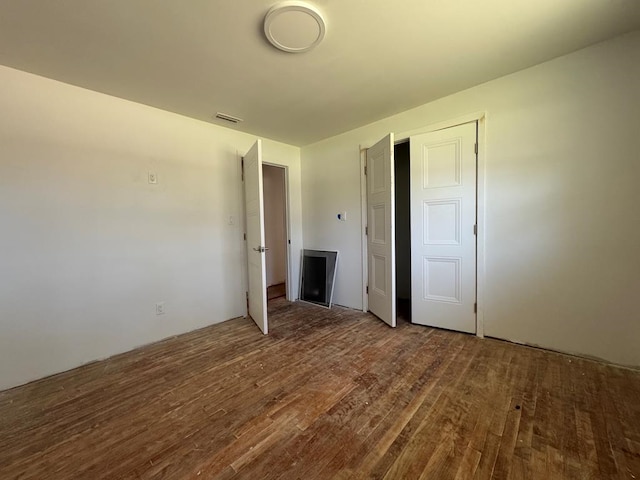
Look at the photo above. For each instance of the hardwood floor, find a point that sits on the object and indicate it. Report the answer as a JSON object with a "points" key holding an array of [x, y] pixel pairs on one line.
{"points": [[328, 394], [275, 291]]}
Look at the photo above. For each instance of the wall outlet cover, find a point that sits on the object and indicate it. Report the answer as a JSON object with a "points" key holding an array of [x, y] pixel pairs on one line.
{"points": [[160, 308]]}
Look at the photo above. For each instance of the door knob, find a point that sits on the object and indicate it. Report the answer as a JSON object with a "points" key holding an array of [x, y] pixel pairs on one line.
{"points": [[261, 249]]}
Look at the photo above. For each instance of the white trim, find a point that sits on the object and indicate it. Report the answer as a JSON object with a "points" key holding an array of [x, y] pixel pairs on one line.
{"points": [[363, 218], [245, 259], [454, 122], [481, 219]]}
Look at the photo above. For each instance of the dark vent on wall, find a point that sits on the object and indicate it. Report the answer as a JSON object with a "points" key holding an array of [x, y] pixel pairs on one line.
{"points": [[228, 118]]}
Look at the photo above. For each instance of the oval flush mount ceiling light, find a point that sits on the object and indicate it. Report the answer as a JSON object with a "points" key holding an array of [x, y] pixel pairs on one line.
{"points": [[294, 27]]}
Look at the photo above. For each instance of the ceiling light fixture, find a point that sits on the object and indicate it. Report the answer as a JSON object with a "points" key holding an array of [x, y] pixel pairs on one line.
{"points": [[294, 27]]}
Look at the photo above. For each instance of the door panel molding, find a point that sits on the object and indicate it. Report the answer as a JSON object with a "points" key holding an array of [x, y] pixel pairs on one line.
{"points": [[443, 215]]}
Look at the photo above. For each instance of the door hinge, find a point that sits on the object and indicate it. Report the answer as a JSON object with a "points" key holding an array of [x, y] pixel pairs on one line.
{"points": [[242, 169], [475, 229], [475, 308], [366, 230], [245, 236], [365, 168], [367, 289], [289, 242], [475, 148]]}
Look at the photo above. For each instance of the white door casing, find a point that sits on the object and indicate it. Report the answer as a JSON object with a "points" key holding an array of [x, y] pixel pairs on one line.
{"points": [[381, 250], [443, 219], [254, 212]]}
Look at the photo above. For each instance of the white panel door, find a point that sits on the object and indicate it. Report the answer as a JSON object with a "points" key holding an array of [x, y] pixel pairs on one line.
{"points": [[254, 212], [443, 216], [381, 248]]}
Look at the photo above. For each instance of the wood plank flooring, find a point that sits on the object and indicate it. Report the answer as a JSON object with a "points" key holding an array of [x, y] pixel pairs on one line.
{"points": [[275, 291], [328, 394]]}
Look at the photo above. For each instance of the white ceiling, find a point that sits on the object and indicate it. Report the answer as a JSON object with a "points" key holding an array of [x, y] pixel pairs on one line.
{"points": [[378, 57]]}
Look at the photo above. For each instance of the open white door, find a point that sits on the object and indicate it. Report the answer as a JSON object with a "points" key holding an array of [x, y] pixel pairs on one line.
{"points": [[254, 212], [443, 219], [381, 249]]}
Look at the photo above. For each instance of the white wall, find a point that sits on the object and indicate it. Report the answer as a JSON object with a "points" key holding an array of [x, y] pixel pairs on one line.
{"points": [[562, 186], [88, 246], [275, 230]]}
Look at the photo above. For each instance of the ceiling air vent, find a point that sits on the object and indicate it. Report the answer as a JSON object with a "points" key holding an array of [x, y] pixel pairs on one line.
{"points": [[228, 118]]}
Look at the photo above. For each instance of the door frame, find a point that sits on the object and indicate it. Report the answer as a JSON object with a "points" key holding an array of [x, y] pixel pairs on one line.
{"points": [[289, 290], [481, 119]]}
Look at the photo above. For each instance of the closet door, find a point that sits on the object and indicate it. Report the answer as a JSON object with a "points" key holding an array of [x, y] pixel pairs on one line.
{"points": [[443, 225], [381, 248]]}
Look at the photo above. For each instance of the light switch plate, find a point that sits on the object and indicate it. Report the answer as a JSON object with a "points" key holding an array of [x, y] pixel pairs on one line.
{"points": [[153, 178]]}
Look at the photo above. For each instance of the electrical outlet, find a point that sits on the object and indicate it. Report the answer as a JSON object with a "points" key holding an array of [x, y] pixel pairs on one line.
{"points": [[160, 308], [153, 178]]}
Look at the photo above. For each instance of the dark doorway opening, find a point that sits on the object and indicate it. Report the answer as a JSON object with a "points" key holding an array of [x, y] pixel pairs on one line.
{"points": [[402, 173]]}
